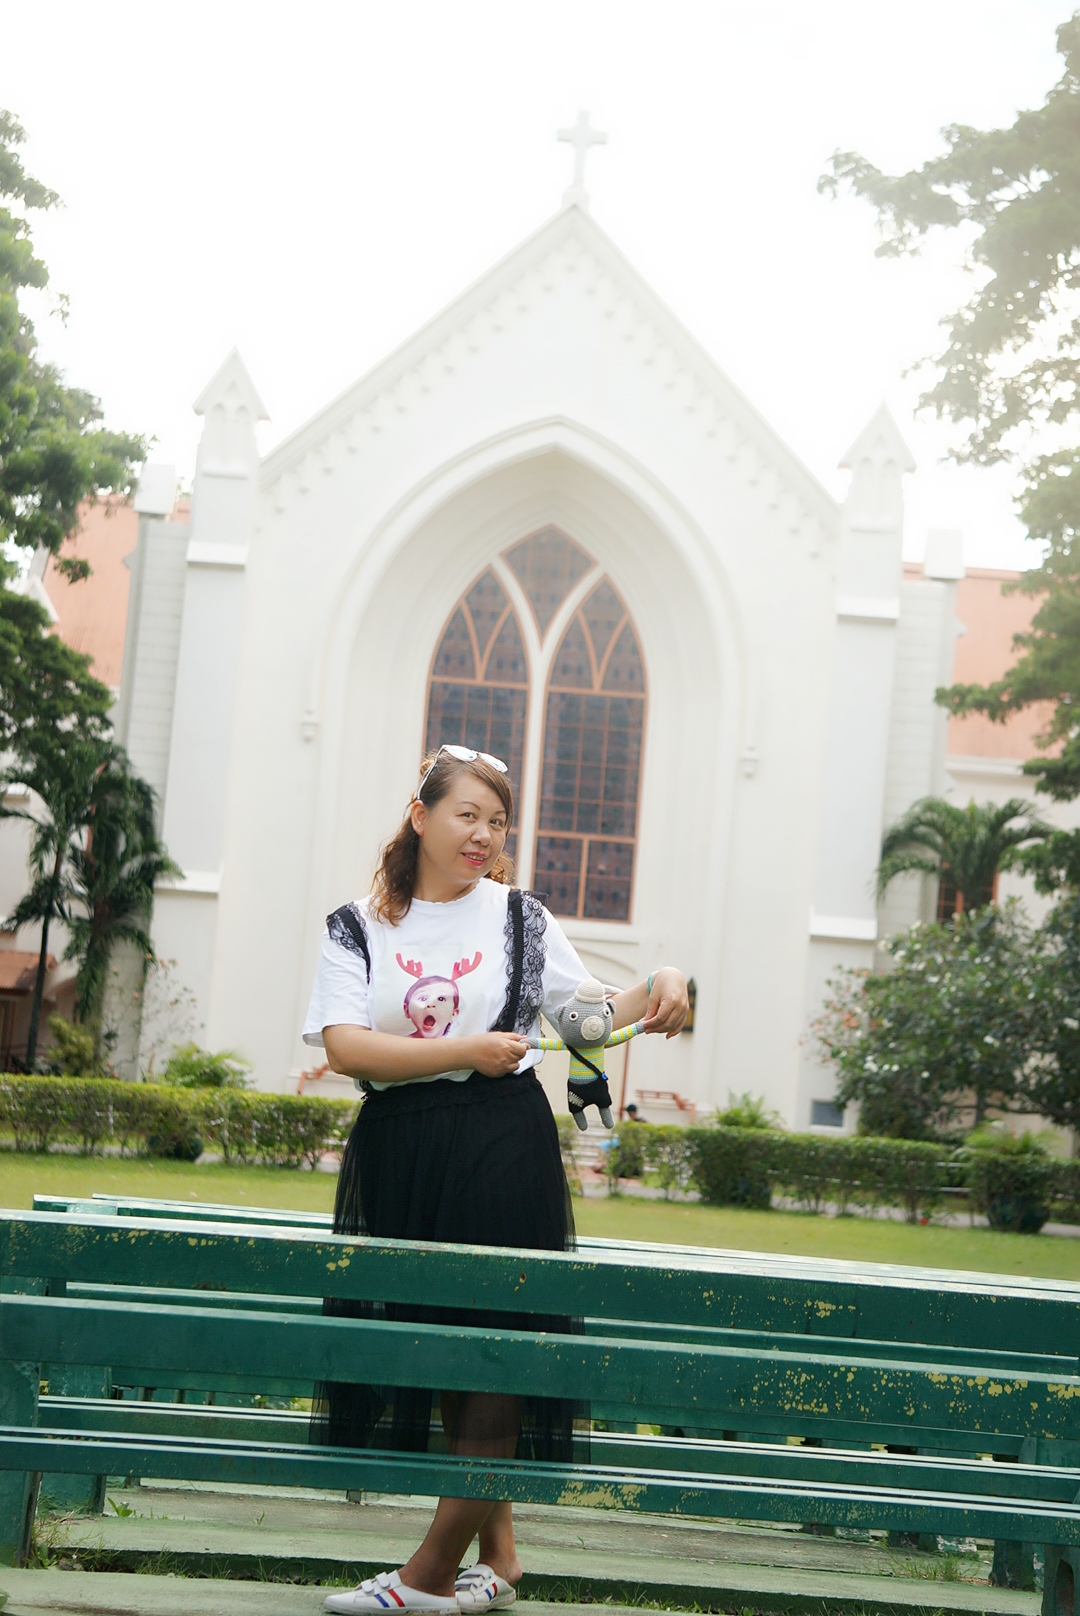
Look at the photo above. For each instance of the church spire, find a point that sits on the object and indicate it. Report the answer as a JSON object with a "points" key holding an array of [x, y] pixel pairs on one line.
{"points": [[581, 137]]}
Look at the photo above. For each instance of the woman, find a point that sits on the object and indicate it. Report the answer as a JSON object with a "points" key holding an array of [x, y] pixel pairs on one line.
{"points": [[426, 992]]}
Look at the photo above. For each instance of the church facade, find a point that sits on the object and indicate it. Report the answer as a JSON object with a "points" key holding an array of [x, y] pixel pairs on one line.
{"points": [[548, 527]]}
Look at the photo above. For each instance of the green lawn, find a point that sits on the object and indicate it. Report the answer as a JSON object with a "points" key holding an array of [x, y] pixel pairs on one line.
{"points": [[23, 1176]]}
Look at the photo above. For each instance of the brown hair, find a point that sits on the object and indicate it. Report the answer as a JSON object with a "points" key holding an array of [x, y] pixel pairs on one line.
{"points": [[395, 878]]}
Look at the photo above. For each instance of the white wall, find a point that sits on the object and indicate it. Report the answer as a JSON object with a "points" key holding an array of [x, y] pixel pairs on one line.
{"points": [[566, 396]]}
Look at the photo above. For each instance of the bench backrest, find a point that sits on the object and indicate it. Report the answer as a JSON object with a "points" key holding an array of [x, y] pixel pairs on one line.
{"points": [[656, 1344]]}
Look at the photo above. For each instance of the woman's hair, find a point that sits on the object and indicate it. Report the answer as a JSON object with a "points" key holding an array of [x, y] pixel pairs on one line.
{"points": [[395, 878]]}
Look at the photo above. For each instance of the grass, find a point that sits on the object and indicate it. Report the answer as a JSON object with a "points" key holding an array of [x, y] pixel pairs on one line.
{"points": [[623, 1217], [857, 1239], [24, 1176]]}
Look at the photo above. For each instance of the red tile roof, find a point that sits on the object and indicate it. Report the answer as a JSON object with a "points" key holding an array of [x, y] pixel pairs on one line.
{"points": [[17, 970]]}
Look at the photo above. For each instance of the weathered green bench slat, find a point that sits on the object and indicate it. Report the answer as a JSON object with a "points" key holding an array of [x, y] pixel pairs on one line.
{"points": [[185, 1211], [114, 1416], [717, 1381], [300, 1262], [837, 1432], [753, 1340], [209, 1380], [750, 1421], [185, 1421], [762, 1263], [755, 1261], [168, 1296], [911, 1352], [214, 1211], [772, 1499]]}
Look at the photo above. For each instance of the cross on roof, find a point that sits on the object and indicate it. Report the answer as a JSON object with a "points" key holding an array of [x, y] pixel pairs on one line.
{"points": [[581, 137]]}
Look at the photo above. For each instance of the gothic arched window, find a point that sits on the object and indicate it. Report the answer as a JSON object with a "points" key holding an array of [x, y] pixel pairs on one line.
{"points": [[593, 728], [584, 740], [479, 688]]}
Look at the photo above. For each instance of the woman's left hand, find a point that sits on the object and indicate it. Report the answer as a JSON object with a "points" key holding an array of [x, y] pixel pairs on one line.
{"points": [[669, 1004]]}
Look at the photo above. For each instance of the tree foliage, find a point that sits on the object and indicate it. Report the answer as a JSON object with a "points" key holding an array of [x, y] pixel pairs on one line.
{"points": [[1053, 1084], [191, 1067], [113, 865], [45, 686], [54, 452], [1011, 364], [971, 844], [59, 773], [94, 859], [947, 1034], [1012, 357]]}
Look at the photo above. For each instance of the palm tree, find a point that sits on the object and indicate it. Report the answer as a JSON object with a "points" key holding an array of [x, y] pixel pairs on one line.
{"points": [[94, 859], [60, 775], [113, 870], [968, 845]]}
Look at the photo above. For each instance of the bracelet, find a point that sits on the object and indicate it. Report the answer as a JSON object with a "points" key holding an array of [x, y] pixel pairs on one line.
{"points": [[649, 983]]}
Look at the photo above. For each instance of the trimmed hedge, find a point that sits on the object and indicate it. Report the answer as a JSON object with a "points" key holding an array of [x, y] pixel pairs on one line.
{"points": [[749, 1167], [273, 1130]]}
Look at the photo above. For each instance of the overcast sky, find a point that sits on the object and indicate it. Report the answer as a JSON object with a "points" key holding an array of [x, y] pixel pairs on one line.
{"points": [[311, 182]]}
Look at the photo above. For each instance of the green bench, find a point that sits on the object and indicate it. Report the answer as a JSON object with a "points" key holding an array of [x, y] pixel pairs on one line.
{"points": [[844, 1355]]}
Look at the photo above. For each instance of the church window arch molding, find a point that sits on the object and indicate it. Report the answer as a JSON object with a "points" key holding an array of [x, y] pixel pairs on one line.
{"points": [[540, 663]]}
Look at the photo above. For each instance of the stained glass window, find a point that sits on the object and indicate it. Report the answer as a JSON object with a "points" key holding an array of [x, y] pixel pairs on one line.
{"points": [[547, 565], [593, 715], [479, 687], [593, 727]]}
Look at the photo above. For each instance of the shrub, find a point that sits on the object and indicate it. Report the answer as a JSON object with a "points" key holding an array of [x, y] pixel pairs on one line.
{"points": [[733, 1166], [950, 1028], [1067, 1190], [743, 1166], [746, 1111], [276, 1130], [910, 1173], [812, 1170], [569, 1139], [626, 1156], [280, 1130], [174, 1133], [1011, 1178], [667, 1154], [31, 1107], [190, 1067], [72, 1049], [88, 1111]]}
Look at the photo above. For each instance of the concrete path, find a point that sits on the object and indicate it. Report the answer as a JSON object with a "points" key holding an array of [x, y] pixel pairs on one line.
{"points": [[115, 1593], [569, 1555]]}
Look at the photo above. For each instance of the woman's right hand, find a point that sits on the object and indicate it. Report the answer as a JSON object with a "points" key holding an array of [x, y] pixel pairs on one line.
{"points": [[496, 1053]]}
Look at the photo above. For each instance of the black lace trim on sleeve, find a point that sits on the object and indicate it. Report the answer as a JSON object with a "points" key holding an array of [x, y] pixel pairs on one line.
{"points": [[534, 958], [346, 926]]}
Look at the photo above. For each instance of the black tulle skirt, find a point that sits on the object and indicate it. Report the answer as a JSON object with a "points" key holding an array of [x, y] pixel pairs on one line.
{"points": [[472, 1163]]}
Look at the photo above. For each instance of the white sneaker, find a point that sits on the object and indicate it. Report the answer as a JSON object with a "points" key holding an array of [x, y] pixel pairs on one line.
{"points": [[480, 1588], [387, 1592]]}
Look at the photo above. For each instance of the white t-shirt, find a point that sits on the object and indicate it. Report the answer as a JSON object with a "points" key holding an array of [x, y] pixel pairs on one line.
{"points": [[443, 972]]}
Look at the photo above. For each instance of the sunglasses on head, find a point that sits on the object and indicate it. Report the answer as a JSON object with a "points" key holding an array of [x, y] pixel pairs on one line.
{"points": [[464, 754]]}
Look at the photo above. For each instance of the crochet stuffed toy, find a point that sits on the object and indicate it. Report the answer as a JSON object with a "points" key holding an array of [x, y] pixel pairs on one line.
{"points": [[585, 1025]]}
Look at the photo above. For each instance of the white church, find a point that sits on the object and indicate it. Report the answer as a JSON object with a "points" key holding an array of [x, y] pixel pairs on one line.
{"points": [[549, 527]]}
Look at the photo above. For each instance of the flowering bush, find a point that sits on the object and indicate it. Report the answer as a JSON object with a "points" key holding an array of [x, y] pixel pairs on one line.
{"points": [[951, 1030]]}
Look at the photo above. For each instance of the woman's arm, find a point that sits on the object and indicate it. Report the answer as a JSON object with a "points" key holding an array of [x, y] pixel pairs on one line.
{"points": [[389, 1058], [664, 1009]]}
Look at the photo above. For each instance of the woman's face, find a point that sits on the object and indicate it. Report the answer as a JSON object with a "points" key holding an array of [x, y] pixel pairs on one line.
{"points": [[462, 835]]}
